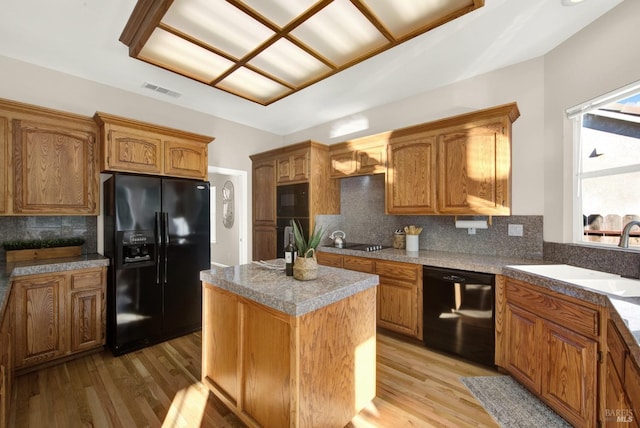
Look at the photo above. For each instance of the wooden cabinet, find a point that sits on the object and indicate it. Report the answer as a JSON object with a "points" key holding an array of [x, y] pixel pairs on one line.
{"points": [[278, 370], [455, 166], [306, 162], [399, 298], [361, 156], [134, 146], [87, 310], [264, 209], [6, 361], [4, 163], [58, 315], [622, 394], [550, 343], [293, 166], [411, 175], [50, 162], [474, 168]]}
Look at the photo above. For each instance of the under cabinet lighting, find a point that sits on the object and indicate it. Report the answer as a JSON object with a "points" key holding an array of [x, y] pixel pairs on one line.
{"points": [[264, 50]]}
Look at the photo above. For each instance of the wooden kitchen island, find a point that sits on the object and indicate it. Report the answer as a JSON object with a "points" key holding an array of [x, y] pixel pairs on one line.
{"points": [[286, 353]]}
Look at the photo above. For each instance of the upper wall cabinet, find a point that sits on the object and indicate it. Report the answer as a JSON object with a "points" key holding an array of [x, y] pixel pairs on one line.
{"points": [[50, 162], [361, 156], [133, 146], [455, 166]]}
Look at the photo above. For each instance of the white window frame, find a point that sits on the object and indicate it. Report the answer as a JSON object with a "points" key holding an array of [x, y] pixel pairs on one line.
{"points": [[575, 114]]}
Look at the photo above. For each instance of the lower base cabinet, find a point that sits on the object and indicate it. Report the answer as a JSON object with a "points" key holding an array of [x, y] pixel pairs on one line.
{"points": [[550, 344], [58, 314], [6, 362], [276, 370], [399, 300], [622, 396]]}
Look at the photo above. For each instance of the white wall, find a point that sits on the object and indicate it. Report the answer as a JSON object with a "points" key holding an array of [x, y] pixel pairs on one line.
{"points": [[602, 57], [43, 87], [522, 83]]}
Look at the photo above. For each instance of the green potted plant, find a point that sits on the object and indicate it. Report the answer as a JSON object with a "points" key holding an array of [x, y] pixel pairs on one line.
{"points": [[306, 265]]}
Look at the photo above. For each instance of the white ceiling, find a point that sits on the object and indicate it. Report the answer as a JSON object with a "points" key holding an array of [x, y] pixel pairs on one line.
{"points": [[80, 37]]}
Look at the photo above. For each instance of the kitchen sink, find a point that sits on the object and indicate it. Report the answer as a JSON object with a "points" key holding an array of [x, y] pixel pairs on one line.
{"points": [[595, 280]]}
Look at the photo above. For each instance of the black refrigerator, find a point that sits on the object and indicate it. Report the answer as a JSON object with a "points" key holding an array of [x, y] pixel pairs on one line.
{"points": [[156, 234]]}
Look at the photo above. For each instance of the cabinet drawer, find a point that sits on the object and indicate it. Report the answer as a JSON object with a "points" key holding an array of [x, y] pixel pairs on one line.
{"points": [[329, 259], [92, 278], [616, 347], [399, 271], [360, 264], [578, 318]]}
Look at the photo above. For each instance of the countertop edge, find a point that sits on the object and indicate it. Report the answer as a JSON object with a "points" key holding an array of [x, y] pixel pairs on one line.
{"points": [[355, 283]]}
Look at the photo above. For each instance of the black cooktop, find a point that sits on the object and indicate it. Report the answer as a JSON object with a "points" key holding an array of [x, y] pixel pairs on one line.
{"points": [[364, 247]]}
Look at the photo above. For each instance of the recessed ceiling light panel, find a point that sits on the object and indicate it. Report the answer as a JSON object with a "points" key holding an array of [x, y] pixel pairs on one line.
{"points": [[264, 50]]}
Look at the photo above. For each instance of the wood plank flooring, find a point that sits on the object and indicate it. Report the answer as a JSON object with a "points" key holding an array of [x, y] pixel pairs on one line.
{"points": [[159, 386]]}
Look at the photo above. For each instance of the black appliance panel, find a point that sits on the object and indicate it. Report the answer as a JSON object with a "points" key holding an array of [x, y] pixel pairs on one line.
{"points": [[292, 201], [187, 248], [459, 313], [281, 223]]}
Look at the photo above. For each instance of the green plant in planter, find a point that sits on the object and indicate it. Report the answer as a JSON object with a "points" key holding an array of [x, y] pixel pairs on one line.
{"points": [[304, 245], [34, 244]]}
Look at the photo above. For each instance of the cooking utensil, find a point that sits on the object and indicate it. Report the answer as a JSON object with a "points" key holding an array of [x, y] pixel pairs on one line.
{"points": [[412, 230], [339, 239]]}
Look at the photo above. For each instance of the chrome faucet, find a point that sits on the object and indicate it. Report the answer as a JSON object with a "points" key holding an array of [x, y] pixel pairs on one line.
{"points": [[624, 236]]}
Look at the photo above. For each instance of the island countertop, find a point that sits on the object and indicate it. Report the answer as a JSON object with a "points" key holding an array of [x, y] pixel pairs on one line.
{"points": [[274, 289]]}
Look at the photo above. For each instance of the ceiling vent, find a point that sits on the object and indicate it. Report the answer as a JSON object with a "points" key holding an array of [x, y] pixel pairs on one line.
{"points": [[161, 90]]}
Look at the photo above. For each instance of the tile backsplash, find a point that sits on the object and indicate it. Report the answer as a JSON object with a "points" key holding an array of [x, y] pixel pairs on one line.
{"points": [[13, 228], [363, 220]]}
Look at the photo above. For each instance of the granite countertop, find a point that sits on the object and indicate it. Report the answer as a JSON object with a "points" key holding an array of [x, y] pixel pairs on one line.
{"points": [[9, 271], [444, 259], [274, 289]]}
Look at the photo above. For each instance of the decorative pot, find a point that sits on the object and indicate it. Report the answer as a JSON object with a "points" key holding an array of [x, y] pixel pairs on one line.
{"points": [[306, 268]]}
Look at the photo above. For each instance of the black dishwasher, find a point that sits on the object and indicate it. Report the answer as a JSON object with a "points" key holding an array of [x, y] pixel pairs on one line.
{"points": [[458, 311]]}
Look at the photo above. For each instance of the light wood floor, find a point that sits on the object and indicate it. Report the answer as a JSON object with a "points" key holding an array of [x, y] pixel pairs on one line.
{"points": [[158, 386]]}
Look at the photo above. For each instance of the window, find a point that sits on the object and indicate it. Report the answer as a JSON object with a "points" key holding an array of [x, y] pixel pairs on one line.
{"points": [[607, 165]]}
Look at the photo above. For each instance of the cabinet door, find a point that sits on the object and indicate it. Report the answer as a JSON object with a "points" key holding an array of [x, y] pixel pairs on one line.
{"points": [[221, 341], [474, 170], [266, 366], [570, 374], [87, 328], [264, 193], [264, 243], [293, 167], [4, 163], [343, 163], [55, 168], [632, 388], [40, 309], [130, 151], [6, 364], [185, 159], [616, 404], [522, 346], [410, 179]]}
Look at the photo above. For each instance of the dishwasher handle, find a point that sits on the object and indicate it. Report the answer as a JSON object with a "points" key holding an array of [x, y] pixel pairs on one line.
{"points": [[454, 278]]}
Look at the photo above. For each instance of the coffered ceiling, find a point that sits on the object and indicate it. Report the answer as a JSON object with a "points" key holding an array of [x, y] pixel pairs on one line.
{"points": [[81, 38]]}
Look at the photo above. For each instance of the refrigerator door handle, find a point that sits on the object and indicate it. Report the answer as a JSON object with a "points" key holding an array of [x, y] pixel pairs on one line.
{"points": [[165, 217], [158, 245]]}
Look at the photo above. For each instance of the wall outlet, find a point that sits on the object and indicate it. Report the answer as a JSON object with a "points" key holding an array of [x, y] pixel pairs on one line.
{"points": [[516, 230], [471, 230]]}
